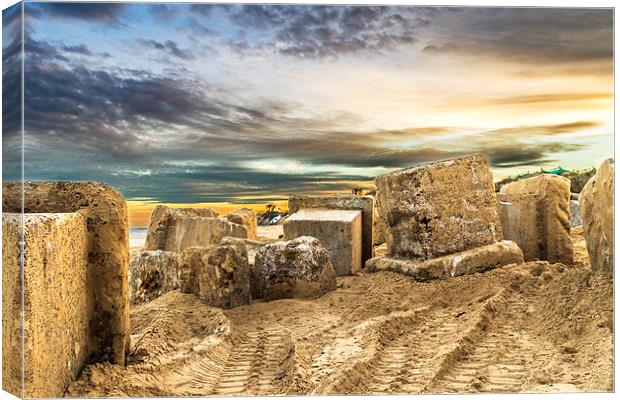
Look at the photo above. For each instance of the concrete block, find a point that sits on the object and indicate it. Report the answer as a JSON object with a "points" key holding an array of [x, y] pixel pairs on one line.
{"points": [[299, 268], [244, 217], [342, 202], [549, 221], [172, 229], [520, 215], [107, 232], [58, 302], [339, 231], [439, 208], [596, 202], [218, 275], [151, 274]]}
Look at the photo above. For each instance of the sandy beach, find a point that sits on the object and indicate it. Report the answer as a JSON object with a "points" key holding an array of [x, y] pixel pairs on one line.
{"points": [[533, 327]]}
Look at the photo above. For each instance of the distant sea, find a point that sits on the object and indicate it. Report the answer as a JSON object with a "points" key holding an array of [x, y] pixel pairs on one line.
{"points": [[137, 236]]}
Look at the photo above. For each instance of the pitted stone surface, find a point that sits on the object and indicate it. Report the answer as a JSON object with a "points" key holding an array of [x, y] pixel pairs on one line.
{"points": [[597, 210], [58, 302], [439, 208], [297, 268], [107, 232], [467, 262], [219, 275], [152, 273]]}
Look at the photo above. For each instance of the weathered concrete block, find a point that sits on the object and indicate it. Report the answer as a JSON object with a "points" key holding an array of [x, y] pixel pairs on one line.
{"points": [[58, 302], [105, 212], [151, 274], [378, 228], [244, 217], [339, 231], [218, 275], [596, 202], [342, 202], [439, 208], [466, 262], [520, 215], [172, 229], [297, 268], [542, 225]]}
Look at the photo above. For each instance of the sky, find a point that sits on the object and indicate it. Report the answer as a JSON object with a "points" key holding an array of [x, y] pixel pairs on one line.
{"points": [[241, 105]]}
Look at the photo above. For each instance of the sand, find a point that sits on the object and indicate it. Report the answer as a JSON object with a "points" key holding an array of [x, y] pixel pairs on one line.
{"points": [[533, 327]]}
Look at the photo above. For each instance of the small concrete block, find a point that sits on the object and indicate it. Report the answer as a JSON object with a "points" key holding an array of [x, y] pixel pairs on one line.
{"points": [[339, 231], [342, 202]]}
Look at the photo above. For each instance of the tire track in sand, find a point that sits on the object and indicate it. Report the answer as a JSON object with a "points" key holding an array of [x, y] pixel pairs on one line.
{"points": [[406, 363], [254, 364], [494, 359]]}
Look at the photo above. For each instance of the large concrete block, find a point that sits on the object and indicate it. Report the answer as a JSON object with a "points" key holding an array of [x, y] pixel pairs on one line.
{"points": [[439, 208], [299, 268], [539, 221], [339, 231], [172, 229], [152, 273], [244, 217], [218, 275], [58, 302], [596, 202], [342, 202], [107, 232]]}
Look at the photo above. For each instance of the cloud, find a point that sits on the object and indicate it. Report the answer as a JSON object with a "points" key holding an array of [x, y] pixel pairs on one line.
{"points": [[319, 31], [169, 46], [551, 98], [79, 49], [525, 35], [106, 13], [165, 12]]}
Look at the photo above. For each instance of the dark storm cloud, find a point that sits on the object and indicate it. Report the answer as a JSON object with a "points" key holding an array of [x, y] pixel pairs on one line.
{"points": [[534, 35], [11, 92], [169, 46], [144, 133], [321, 31], [106, 13]]}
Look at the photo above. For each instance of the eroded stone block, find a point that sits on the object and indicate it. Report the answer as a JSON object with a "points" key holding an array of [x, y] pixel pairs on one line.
{"points": [[219, 275], [244, 217], [173, 229], [107, 232], [520, 215], [339, 231], [439, 208], [597, 211], [152, 273], [342, 202], [58, 303], [549, 221], [297, 268]]}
